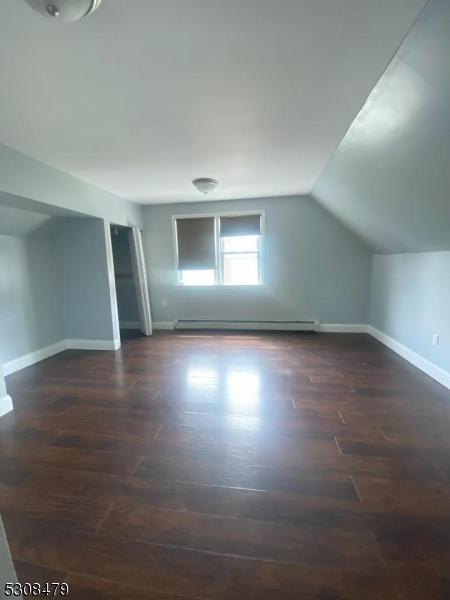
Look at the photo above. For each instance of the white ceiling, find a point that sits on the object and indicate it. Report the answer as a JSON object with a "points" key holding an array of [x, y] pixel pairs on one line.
{"points": [[144, 96]]}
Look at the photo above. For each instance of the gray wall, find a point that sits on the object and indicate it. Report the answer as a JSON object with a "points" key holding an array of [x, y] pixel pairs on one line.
{"points": [[30, 311], [313, 267], [54, 285], [126, 293], [84, 283], [2, 383], [7, 571], [410, 301]]}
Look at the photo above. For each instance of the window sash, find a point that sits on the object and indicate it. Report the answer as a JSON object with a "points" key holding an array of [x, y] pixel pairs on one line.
{"points": [[254, 254], [224, 253], [196, 243], [219, 252], [242, 225]]}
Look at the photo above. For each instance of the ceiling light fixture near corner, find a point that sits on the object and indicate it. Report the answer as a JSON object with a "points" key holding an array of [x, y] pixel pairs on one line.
{"points": [[205, 185], [64, 10]]}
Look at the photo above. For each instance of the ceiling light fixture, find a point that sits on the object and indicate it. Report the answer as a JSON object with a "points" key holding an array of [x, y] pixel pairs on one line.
{"points": [[205, 185], [64, 10]]}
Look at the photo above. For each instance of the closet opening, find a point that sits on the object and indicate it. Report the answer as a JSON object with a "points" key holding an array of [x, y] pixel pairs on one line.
{"points": [[131, 282]]}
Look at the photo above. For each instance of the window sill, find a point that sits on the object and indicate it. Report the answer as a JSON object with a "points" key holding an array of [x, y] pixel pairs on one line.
{"points": [[221, 285]]}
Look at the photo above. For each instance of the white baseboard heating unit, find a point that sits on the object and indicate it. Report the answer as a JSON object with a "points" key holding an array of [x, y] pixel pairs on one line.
{"points": [[249, 325]]}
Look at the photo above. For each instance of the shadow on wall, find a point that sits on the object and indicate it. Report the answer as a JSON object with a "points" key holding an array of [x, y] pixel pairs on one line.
{"points": [[30, 315]]}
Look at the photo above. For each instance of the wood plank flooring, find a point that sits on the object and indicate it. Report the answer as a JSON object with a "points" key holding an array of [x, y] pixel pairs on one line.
{"points": [[229, 466]]}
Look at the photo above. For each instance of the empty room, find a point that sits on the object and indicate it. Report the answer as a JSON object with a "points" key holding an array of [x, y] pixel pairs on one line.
{"points": [[225, 299]]}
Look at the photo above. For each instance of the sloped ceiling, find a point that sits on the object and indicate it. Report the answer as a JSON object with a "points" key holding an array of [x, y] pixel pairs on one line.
{"points": [[389, 179], [145, 95]]}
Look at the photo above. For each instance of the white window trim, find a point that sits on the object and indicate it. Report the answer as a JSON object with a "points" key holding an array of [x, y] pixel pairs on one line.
{"points": [[218, 266]]}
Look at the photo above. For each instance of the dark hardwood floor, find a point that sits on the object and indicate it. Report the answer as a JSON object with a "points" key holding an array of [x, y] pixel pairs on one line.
{"points": [[224, 466]]}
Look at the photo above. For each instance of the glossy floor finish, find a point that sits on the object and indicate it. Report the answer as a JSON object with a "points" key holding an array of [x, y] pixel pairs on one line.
{"points": [[224, 466]]}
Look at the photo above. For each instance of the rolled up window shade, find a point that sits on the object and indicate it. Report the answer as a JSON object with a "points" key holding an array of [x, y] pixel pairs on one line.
{"points": [[196, 245], [243, 225]]}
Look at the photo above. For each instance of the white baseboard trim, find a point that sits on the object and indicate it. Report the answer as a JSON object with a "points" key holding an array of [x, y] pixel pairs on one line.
{"points": [[168, 325], [33, 357], [343, 328], [6, 405], [129, 325], [437, 373], [92, 345]]}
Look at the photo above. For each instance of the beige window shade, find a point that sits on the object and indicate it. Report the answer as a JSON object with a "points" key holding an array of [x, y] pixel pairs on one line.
{"points": [[243, 225], [196, 245]]}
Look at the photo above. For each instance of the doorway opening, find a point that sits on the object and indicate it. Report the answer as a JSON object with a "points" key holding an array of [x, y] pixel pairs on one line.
{"points": [[125, 283], [133, 302]]}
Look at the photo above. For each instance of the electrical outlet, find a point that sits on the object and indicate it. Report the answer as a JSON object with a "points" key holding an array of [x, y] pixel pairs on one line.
{"points": [[435, 339], [164, 302]]}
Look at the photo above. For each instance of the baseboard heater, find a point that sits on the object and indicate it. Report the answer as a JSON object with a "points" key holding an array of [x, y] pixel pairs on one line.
{"points": [[249, 325]]}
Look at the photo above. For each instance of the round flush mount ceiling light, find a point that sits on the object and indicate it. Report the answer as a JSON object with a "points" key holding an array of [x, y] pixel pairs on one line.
{"points": [[205, 185], [64, 10]]}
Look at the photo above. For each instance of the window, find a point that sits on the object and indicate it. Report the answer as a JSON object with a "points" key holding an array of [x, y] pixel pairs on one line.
{"points": [[197, 276], [219, 250], [196, 251], [240, 260]]}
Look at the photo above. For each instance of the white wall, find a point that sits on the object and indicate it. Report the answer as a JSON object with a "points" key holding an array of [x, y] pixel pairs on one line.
{"points": [[410, 301], [314, 268]]}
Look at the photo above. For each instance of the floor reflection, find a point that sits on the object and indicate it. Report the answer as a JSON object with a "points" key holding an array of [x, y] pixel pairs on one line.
{"points": [[234, 386], [202, 378], [242, 388]]}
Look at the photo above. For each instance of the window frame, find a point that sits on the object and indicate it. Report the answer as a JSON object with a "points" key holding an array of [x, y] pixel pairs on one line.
{"points": [[218, 270]]}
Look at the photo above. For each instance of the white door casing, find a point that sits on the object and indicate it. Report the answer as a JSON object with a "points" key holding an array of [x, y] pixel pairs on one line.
{"points": [[140, 280]]}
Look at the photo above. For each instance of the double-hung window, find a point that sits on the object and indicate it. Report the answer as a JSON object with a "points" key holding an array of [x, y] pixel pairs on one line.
{"points": [[219, 250], [240, 250]]}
